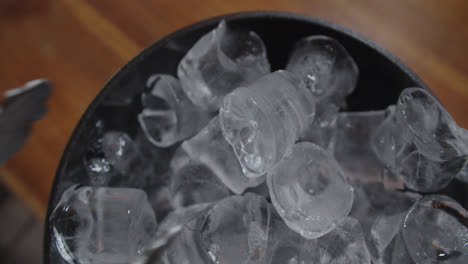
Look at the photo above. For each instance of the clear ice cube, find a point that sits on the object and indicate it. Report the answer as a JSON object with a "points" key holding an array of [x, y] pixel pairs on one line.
{"points": [[99, 170], [321, 130], [463, 174], [219, 62], [310, 191], [400, 254], [168, 115], [263, 120], [210, 148], [330, 73], [326, 68], [192, 182], [345, 244], [351, 147], [436, 231], [236, 230], [175, 221], [395, 253], [123, 154], [286, 246], [380, 212], [102, 225], [182, 242], [420, 142], [384, 230]]}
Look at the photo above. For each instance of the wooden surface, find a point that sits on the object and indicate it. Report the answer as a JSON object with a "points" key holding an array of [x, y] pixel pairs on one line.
{"points": [[79, 44]]}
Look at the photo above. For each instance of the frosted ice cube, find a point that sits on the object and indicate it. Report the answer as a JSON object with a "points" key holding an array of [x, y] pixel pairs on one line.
{"points": [[102, 225], [420, 142], [210, 148], [236, 230], [168, 115], [263, 120], [436, 230], [220, 61], [345, 244], [309, 190], [192, 182]]}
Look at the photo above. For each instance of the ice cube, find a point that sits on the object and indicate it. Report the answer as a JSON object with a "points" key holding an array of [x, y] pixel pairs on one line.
{"points": [[345, 244], [263, 120], [330, 73], [380, 212], [122, 153], [286, 246], [102, 225], [192, 182], [420, 142], [236, 230], [384, 230], [309, 190], [463, 174], [174, 222], [210, 148], [98, 168], [400, 254], [99, 171], [179, 238], [326, 68], [351, 147], [321, 130], [168, 115], [155, 156], [261, 190], [160, 199], [220, 61], [395, 253], [463, 135], [436, 230]]}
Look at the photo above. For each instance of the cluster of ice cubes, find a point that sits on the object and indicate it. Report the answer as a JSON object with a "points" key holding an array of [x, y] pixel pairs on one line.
{"points": [[269, 168]]}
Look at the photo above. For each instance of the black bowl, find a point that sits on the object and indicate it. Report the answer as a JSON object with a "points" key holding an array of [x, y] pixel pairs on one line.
{"points": [[382, 77]]}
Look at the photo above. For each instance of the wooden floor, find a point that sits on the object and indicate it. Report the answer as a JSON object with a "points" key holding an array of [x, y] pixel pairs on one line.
{"points": [[22, 232], [79, 44]]}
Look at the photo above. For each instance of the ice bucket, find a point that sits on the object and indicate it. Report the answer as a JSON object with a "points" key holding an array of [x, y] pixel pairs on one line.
{"points": [[382, 78]]}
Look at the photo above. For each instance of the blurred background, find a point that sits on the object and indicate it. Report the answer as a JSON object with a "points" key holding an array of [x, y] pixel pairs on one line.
{"points": [[80, 44]]}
